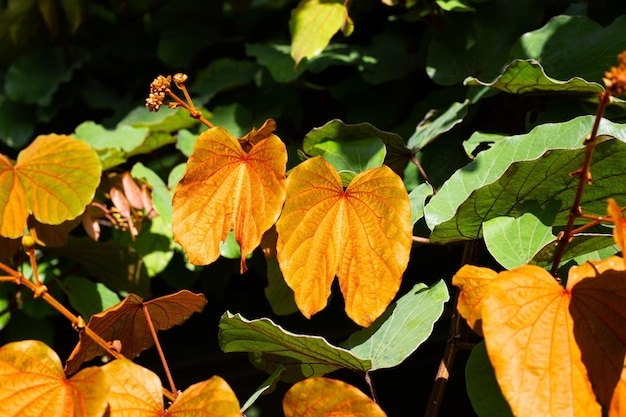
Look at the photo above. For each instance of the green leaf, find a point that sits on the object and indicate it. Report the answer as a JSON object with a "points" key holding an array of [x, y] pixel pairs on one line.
{"points": [[270, 346], [230, 249], [432, 129], [313, 23], [277, 59], [563, 58], [161, 195], [418, 198], [88, 297], [6, 291], [455, 6], [154, 244], [17, 123], [165, 120], [580, 249], [480, 42], [514, 241], [348, 148], [479, 140], [277, 292], [27, 83], [402, 328], [528, 76], [450, 213], [223, 74], [185, 142], [482, 386], [267, 386]]}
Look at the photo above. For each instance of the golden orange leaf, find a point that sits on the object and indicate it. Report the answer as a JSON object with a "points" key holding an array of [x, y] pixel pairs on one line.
{"points": [[597, 307], [126, 322], [212, 397], [54, 178], [529, 333], [32, 383], [619, 230], [134, 390], [228, 188], [362, 235], [324, 397], [473, 282]]}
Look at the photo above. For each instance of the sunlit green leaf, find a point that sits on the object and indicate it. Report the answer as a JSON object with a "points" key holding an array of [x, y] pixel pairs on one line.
{"points": [[442, 123], [89, 297]]}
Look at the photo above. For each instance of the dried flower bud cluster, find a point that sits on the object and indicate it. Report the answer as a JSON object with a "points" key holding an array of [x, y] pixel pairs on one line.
{"points": [[615, 78], [179, 80], [157, 92]]}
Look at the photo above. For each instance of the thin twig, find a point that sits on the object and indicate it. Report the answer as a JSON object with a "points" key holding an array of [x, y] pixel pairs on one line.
{"points": [[422, 172]]}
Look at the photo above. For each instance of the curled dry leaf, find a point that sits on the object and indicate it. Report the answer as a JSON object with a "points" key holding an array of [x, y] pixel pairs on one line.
{"points": [[229, 185], [126, 322], [361, 234]]}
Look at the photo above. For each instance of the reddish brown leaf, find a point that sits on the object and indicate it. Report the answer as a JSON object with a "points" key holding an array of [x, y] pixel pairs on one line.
{"points": [[361, 234], [227, 187], [473, 282], [32, 383], [127, 323], [324, 397]]}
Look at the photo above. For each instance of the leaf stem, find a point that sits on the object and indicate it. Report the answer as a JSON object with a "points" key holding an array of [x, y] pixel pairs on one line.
{"points": [[422, 172], [193, 112], [159, 349], [584, 177]]}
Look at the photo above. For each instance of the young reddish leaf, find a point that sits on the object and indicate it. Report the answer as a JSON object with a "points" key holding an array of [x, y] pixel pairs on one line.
{"points": [[126, 322], [529, 334], [137, 391], [597, 307], [32, 383], [362, 234], [54, 178], [473, 282], [228, 188], [134, 390], [212, 397], [319, 397]]}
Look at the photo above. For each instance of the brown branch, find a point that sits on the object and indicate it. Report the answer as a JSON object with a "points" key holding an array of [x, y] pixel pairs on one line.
{"points": [[422, 172]]}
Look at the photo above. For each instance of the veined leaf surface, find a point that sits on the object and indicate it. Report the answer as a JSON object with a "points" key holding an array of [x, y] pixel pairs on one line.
{"points": [[228, 188], [473, 282], [53, 178], [361, 234]]}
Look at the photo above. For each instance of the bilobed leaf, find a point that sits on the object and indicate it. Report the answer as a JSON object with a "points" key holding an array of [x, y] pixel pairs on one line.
{"points": [[361, 234], [127, 323], [532, 166], [514, 241], [228, 188], [212, 397], [312, 25], [134, 390], [528, 76], [319, 397], [402, 328], [302, 356], [53, 178], [32, 380], [472, 281], [529, 332]]}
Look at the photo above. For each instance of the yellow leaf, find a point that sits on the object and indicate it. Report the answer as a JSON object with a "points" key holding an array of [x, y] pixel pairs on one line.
{"points": [[473, 282], [54, 178], [32, 383], [324, 397], [134, 391], [228, 188], [362, 235], [212, 397], [619, 231], [529, 333]]}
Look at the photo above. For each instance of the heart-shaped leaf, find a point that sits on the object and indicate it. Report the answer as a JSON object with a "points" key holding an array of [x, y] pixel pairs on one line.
{"points": [[319, 397], [137, 391], [127, 323], [32, 383], [53, 178], [361, 234], [473, 282], [228, 188]]}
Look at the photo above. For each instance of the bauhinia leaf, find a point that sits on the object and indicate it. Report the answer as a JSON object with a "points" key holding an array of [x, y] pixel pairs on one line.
{"points": [[228, 188], [529, 332], [402, 329], [137, 391], [126, 323], [473, 282], [361, 234], [319, 397], [32, 383], [271, 346], [312, 25], [53, 178]]}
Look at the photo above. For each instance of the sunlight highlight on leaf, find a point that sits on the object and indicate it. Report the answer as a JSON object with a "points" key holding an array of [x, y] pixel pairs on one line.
{"points": [[319, 397], [529, 334], [53, 178], [619, 230], [212, 397], [32, 383], [473, 282], [362, 235], [228, 188]]}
